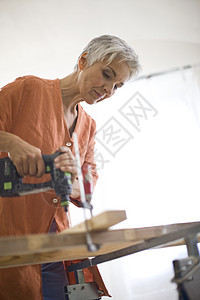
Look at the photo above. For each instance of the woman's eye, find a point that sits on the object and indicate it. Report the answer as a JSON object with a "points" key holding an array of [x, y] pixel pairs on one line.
{"points": [[106, 75]]}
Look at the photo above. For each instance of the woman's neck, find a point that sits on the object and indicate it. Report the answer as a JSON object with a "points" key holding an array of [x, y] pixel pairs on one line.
{"points": [[70, 93]]}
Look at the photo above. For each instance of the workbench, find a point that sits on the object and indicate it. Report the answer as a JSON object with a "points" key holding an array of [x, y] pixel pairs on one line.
{"points": [[112, 243]]}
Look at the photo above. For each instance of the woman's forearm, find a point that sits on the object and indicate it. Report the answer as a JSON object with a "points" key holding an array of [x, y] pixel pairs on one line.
{"points": [[26, 158], [7, 141], [75, 189]]}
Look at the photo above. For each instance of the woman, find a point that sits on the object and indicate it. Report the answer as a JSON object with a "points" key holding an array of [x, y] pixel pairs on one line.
{"points": [[39, 116]]}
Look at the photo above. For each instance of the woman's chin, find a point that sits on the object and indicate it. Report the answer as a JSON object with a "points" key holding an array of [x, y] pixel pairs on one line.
{"points": [[91, 101]]}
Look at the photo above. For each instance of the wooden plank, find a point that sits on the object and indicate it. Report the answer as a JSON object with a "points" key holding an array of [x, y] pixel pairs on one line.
{"points": [[149, 232], [38, 258], [53, 247], [71, 237], [39, 243], [52, 242], [182, 232], [102, 221]]}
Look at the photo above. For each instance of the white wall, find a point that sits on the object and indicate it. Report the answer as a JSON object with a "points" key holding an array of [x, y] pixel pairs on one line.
{"points": [[154, 176], [45, 37]]}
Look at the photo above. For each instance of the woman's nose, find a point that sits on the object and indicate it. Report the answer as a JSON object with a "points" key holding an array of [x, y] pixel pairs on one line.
{"points": [[109, 89]]}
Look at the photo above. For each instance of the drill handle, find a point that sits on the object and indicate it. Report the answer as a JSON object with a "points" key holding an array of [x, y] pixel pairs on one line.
{"points": [[49, 161]]}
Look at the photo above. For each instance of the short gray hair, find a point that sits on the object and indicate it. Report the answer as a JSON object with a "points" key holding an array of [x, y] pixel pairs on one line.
{"points": [[109, 47]]}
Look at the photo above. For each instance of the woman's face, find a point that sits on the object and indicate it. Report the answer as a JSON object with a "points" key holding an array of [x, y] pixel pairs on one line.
{"points": [[100, 81]]}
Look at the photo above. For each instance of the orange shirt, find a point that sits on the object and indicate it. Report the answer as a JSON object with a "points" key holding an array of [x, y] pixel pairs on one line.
{"points": [[32, 108]]}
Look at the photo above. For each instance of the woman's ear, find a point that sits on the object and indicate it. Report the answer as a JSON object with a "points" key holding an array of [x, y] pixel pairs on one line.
{"points": [[82, 61]]}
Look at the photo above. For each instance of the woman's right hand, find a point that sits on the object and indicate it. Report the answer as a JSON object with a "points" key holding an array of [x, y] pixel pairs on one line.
{"points": [[26, 158]]}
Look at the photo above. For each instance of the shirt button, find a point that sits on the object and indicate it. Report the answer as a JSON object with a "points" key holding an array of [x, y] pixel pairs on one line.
{"points": [[68, 144], [55, 200]]}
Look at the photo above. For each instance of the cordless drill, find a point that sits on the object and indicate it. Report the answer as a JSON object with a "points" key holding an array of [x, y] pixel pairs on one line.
{"points": [[12, 185]]}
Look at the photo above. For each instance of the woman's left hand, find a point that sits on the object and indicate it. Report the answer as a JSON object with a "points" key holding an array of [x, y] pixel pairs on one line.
{"points": [[66, 161]]}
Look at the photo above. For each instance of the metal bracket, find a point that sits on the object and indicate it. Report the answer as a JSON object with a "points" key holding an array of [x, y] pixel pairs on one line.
{"points": [[83, 291], [187, 271], [187, 278]]}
